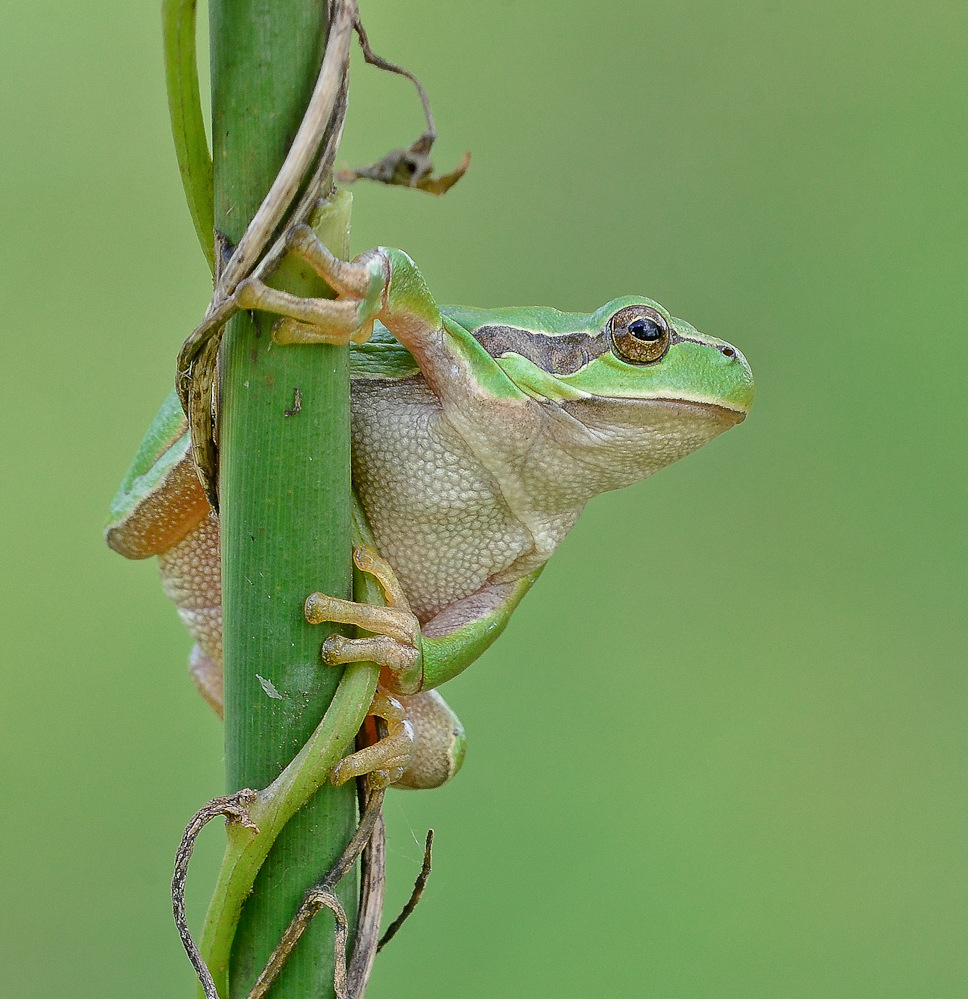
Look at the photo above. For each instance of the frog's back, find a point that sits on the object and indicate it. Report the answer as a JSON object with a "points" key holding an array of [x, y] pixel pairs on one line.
{"points": [[541, 318]]}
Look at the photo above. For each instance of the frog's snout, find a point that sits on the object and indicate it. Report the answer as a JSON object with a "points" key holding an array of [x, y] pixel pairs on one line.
{"points": [[741, 375]]}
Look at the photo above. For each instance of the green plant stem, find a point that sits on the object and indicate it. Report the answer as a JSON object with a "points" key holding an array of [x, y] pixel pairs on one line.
{"points": [[187, 123], [285, 489], [245, 851]]}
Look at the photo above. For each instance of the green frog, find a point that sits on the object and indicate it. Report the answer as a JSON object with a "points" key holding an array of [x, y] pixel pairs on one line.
{"points": [[478, 436]]}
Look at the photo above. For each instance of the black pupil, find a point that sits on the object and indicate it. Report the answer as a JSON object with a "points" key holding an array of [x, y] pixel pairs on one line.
{"points": [[645, 329]]}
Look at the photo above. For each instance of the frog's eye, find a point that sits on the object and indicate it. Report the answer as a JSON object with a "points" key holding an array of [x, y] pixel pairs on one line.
{"points": [[640, 334]]}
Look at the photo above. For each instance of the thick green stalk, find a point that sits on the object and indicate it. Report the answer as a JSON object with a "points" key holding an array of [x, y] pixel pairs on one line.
{"points": [[245, 853], [276, 804], [284, 488]]}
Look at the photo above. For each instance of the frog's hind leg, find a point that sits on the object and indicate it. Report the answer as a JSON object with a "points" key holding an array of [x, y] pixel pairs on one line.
{"points": [[439, 743], [206, 674], [387, 759]]}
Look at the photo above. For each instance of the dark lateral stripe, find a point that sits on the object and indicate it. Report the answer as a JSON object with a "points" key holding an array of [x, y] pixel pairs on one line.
{"points": [[558, 354]]}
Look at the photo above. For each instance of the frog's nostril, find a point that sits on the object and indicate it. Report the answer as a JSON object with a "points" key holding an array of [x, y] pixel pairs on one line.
{"points": [[728, 351]]}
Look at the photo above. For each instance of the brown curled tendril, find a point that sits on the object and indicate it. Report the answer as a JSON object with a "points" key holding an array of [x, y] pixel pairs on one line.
{"points": [[235, 808]]}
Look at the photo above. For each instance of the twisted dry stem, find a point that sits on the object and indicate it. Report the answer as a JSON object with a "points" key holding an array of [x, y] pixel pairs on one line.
{"points": [[322, 125], [321, 895], [373, 863], [415, 895], [369, 839], [235, 809]]}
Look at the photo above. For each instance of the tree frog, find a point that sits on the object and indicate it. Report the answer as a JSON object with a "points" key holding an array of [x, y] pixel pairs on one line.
{"points": [[478, 435]]}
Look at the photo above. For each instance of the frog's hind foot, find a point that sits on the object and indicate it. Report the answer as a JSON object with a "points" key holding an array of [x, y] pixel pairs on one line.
{"points": [[387, 759], [423, 747]]}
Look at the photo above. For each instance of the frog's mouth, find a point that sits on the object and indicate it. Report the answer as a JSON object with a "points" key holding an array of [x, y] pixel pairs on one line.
{"points": [[692, 407], [643, 412]]}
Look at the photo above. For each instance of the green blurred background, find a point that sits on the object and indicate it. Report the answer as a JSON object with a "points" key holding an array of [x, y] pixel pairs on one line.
{"points": [[721, 750]]}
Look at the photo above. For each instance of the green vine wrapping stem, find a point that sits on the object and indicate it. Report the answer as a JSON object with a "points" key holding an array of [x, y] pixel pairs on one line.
{"points": [[246, 852]]}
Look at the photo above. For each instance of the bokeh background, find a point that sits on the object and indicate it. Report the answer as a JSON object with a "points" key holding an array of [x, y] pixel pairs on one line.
{"points": [[721, 750]]}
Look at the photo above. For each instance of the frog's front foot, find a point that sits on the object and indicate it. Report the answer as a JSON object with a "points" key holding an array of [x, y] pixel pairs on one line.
{"points": [[360, 286], [395, 644], [395, 647]]}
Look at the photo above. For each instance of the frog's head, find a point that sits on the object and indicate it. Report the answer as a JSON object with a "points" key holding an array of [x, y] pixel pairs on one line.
{"points": [[646, 388]]}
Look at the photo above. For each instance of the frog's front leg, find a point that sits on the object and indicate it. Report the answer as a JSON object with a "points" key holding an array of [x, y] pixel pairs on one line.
{"points": [[360, 286], [386, 284], [396, 646]]}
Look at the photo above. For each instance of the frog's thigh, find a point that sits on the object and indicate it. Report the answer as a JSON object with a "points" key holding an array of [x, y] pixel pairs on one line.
{"points": [[439, 743]]}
